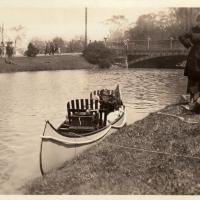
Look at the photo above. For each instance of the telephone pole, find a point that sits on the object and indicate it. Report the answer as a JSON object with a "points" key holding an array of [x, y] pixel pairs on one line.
{"points": [[85, 27], [2, 36]]}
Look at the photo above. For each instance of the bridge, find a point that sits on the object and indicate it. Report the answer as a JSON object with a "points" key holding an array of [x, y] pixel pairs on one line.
{"points": [[167, 53]]}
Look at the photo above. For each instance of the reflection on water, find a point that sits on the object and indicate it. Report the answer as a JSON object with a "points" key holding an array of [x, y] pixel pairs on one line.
{"points": [[30, 98]]}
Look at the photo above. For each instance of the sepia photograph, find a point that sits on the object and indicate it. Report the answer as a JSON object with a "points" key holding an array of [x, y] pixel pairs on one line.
{"points": [[99, 98]]}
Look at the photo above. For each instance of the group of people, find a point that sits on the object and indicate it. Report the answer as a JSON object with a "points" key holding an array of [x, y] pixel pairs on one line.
{"points": [[51, 48], [191, 40], [7, 51]]}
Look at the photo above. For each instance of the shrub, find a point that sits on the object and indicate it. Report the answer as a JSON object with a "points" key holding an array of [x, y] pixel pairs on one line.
{"points": [[104, 63], [98, 53], [32, 50]]}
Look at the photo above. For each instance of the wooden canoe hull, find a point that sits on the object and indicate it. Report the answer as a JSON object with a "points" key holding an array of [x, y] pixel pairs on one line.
{"points": [[56, 149]]}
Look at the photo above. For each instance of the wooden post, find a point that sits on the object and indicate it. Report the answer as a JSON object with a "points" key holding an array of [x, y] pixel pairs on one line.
{"points": [[105, 40], [148, 43], [171, 43]]}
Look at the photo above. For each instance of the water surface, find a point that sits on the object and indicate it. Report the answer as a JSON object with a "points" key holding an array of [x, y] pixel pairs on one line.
{"points": [[30, 98]]}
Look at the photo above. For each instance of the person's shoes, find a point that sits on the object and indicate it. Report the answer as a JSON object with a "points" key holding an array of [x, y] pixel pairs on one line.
{"points": [[189, 106], [185, 98]]}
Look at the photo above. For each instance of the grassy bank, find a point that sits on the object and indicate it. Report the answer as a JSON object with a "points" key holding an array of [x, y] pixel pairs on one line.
{"points": [[41, 63], [113, 167]]}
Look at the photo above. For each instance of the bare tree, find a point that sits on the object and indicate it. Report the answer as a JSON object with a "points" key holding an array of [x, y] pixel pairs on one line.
{"points": [[18, 33], [39, 44]]}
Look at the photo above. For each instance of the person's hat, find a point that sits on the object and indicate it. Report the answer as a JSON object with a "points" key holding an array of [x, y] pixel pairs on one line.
{"points": [[198, 18]]}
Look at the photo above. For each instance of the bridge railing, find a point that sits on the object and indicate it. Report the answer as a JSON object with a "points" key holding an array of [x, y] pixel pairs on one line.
{"points": [[154, 45], [146, 46], [117, 47]]}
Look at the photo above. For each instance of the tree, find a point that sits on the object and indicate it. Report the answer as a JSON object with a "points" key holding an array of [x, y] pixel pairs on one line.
{"points": [[117, 25], [151, 25], [59, 41], [18, 34], [39, 44], [183, 19], [98, 53], [77, 44], [32, 50], [163, 25], [145, 26]]}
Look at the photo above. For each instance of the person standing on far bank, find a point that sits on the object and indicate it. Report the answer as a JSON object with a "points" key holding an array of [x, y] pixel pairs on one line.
{"points": [[9, 53], [191, 40]]}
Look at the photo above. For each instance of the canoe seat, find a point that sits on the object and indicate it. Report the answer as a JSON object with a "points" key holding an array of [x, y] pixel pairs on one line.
{"points": [[81, 129], [84, 120], [83, 112], [63, 129]]}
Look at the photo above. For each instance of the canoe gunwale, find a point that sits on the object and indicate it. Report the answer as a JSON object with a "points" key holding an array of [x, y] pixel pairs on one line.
{"points": [[96, 132], [54, 139], [76, 135], [63, 141]]}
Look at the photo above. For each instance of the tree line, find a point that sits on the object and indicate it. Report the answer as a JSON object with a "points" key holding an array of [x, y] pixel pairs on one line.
{"points": [[56, 45], [163, 25], [158, 26]]}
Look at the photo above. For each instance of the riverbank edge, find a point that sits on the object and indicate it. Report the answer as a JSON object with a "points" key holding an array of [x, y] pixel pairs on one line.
{"points": [[45, 63], [60, 62], [126, 162]]}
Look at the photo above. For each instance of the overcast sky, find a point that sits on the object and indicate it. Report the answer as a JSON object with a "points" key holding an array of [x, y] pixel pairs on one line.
{"points": [[49, 18], [66, 22]]}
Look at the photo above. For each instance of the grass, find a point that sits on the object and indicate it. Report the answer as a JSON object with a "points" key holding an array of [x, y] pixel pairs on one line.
{"points": [[41, 63], [109, 168]]}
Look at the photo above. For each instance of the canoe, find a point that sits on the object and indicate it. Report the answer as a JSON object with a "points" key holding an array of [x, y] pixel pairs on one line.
{"points": [[78, 132]]}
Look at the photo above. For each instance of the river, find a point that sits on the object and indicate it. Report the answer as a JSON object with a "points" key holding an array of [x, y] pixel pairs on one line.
{"points": [[30, 98]]}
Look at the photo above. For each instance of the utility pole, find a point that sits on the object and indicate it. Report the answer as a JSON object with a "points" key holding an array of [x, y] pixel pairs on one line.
{"points": [[2, 40], [2, 36], [85, 27]]}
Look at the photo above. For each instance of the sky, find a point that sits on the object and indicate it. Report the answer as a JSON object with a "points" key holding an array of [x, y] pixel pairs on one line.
{"points": [[65, 22], [65, 18]]}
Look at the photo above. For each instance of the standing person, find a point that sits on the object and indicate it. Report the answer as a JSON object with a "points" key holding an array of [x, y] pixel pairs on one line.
{"points": [[47, 48], [9, 53], [52, 48], [55, 48], [191, 40], [2, 49]]}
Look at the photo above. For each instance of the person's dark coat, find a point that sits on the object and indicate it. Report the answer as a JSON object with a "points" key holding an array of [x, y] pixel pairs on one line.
{"points": [[192, 39], [9, 51]]}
